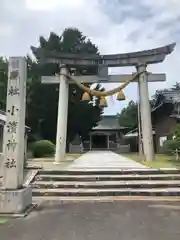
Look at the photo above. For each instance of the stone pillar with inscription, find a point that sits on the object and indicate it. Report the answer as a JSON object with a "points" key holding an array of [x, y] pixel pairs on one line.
{"points": [[145, 114], [14, 198]]}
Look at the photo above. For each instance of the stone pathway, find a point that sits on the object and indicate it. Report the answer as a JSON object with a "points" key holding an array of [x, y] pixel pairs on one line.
{"points": [[105, 160]]}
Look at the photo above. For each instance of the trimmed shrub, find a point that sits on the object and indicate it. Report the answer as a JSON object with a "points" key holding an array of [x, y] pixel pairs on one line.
{"points": [[42, 148], [170, 146]]}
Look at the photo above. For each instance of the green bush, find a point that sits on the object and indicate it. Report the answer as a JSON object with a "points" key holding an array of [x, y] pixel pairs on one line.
{"points": [[42, 148], [170, 146], [176, 132]]}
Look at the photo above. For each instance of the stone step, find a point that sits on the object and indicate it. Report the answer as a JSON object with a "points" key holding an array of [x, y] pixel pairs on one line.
{"points": [[110, 171], [102, 177], [106, 184], [39, 199], [107, 192]]}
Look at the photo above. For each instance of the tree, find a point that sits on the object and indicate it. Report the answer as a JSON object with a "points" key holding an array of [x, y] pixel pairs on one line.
{"points": [[129, 115], [3, 82], [43, 99], [176, 133], [172, 145]]}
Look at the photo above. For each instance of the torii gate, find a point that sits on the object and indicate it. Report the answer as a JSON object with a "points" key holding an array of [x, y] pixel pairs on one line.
{"points": [[139, 60]]}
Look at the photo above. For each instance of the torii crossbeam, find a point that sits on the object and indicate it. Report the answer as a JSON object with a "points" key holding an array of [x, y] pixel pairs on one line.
{"points": [[161, 77]]}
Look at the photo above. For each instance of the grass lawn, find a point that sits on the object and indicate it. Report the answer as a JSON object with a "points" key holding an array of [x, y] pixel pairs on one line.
{"points": [[3, 220], [74, 155], [46, 162], [161, 161]]}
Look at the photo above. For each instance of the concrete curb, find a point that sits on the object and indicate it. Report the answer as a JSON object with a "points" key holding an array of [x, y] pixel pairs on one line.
{"points": [[30, 178], [18, 215]]}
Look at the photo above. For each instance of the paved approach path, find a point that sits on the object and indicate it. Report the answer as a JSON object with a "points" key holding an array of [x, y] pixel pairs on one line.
{"points": [[97, 221], [105, 160]]}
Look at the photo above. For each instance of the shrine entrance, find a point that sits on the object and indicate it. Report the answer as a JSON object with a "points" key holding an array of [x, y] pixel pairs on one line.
{"points": [[99, 142]]}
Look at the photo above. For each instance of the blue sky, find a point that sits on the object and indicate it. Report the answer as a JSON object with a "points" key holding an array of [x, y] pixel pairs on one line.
{"points": [[114, 25]]}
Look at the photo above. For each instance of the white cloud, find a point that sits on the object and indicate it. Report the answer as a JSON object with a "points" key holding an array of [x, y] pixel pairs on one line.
{"points": [[169, 7], [47, 5], [120, 29], [157, 30], [6, 30]]}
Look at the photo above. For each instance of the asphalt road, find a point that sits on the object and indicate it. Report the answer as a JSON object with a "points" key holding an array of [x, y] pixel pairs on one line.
{"points": [[139, 220]]}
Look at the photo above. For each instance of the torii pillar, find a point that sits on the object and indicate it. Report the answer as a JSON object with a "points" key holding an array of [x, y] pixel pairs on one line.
{"points": [[145, 114], [61, 133]]}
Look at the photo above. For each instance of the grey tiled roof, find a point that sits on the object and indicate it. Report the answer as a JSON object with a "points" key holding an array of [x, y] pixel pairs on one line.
{"points": [[171, 96], [167, 97], [177, 116], [108, 123]]}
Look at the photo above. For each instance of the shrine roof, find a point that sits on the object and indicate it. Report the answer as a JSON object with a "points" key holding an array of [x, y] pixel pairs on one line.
{"points": [[108, 122], [169, 96]]}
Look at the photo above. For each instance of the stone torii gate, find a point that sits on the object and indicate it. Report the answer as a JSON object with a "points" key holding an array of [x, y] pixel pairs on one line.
{"points": [[139, 60]]}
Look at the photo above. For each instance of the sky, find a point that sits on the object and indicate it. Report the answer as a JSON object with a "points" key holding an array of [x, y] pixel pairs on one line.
{"points": [[115, 26]]}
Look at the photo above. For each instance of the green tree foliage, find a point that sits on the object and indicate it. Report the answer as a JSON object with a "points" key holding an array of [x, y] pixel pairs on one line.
{"points": [[3, 82], [172, 144], [42, 99], [176, 134], [129, 115], [169, 146]]}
